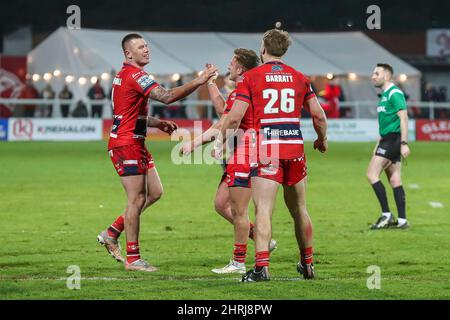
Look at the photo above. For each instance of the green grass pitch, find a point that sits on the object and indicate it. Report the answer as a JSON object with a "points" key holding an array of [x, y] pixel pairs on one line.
{"points": [[56, 197]]}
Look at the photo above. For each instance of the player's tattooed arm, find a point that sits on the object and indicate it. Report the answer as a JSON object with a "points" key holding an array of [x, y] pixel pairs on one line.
{"points": [[162, 95], [169, 96]]}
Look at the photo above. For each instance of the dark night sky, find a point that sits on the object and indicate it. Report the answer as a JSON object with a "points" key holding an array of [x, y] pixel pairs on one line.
{"points": [[230, 15]]}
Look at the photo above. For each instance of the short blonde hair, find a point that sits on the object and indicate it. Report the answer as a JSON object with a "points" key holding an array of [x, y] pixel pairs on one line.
{"points": [[276, 42]]}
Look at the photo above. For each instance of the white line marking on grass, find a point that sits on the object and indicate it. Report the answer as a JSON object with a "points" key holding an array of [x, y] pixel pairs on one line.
{"points": [[435, 204], [414, 186]]}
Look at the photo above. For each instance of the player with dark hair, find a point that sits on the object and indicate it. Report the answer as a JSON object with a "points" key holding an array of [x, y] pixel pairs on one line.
{"points": [[391, 147], [274, 94], [233, 194], [132, 87]]}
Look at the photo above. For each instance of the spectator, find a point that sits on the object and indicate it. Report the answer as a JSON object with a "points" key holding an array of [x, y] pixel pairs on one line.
{"points": [[80, 110], [398, 84], [331, 95], [96, 92], [5, 112], [442, 113], [442, 94], [430, 93], [47, 94], [65, 94], [29, 92]]}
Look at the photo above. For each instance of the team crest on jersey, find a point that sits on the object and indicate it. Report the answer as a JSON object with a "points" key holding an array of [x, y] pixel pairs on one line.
{"points": [[277, 68], [145, 81], [117, 81]]}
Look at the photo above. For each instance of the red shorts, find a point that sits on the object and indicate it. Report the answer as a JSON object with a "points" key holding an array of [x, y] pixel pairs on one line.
{"points": [[286, 172], [130, 160], [237, 171]]}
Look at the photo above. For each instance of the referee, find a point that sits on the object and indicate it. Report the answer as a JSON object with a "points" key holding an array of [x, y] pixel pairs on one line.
{"points": [[391, 147]]}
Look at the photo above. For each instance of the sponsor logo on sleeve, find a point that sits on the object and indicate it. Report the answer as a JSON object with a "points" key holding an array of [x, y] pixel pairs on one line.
{"points": [[145, 81]]}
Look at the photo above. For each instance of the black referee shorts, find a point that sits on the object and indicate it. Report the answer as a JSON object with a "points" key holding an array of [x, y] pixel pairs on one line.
{"points": [[389, 147]]}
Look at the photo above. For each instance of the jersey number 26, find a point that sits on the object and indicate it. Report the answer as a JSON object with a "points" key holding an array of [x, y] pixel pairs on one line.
{"points": [[287, 101]]}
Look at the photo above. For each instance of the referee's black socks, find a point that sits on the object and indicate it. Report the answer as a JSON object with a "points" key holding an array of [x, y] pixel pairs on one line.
{"points": [[399, 195], [380, 191]]}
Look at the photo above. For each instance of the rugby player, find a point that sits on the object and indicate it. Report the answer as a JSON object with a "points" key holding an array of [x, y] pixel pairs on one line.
{"points": [[233, 193], [391, 147], [132, 87], [275, 94]]}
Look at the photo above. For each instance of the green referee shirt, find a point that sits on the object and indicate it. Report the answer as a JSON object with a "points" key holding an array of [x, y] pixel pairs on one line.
{"points": [[392, 101]]}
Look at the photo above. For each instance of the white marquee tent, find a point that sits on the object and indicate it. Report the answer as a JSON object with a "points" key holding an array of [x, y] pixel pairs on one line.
{"points": [[91, 52]]}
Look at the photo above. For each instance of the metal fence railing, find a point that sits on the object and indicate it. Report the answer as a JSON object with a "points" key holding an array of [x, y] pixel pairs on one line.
{"points": [[359, 109], [429, 106]]}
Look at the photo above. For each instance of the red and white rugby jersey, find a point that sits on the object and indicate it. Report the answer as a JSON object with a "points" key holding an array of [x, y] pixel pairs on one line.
{"points": [[276, 93], [129, 96]]}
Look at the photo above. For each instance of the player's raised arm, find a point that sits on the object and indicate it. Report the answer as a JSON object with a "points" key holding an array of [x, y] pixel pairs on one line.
{"points": [[319, 122], [169, 96], [216, 97]]}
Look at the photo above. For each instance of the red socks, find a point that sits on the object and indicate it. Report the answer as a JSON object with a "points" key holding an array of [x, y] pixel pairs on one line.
{"points": [[262, 259], [133, 252], [306, 255], [117, 227], [239, 252]]}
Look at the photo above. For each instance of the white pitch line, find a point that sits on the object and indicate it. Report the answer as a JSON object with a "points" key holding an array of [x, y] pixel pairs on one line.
{"points": [[414, 186], [436, 204]]}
